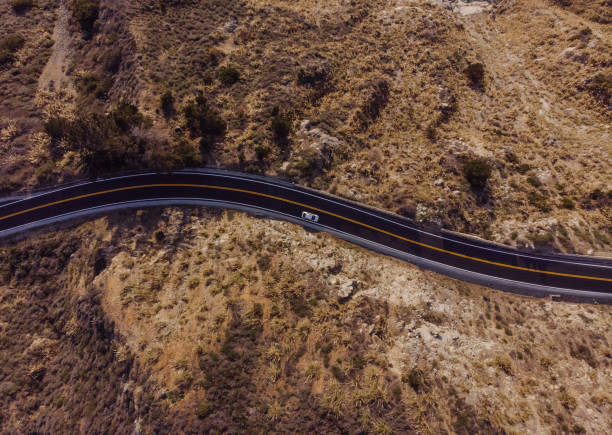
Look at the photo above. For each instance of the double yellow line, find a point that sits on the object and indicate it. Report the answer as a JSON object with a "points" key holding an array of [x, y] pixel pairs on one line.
{"points": [[250, 192]]}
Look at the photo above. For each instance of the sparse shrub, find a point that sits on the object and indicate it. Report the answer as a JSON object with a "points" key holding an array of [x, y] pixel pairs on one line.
{"points": [[22, 6], [600, 87], [86, 13], [257, 310], [338, 373], [476, 74], [534, 181], [523, 168], [415, 379], [193, 283], [313, 75], [567, 203], [228, 75], [477, 172], [359, 362], [203, 409], [264, 262], [538, 201], [504, 364], [183, 379], [262, 151]]}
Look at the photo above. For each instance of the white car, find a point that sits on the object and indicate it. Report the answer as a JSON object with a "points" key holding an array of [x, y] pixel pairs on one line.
{"points": [[310, 216]]}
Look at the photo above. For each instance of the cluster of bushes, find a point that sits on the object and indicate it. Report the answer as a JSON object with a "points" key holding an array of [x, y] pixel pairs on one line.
{"points": [[9, 46], [22, 6], [86, 13], [103, 142], [203, 121]]}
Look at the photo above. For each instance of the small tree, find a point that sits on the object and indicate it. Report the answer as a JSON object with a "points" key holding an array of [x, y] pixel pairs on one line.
{"points": [[86, 13], [477, 172], [476, 74], [22, 6], [229, 75]]}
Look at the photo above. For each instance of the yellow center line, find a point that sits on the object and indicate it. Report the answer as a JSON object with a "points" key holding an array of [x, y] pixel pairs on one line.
{"points": [[233, 189]]}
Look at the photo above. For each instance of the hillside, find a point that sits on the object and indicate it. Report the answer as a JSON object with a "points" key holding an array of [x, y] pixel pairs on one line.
{"points": [[488, 118], [479, 117], [196, 320]]}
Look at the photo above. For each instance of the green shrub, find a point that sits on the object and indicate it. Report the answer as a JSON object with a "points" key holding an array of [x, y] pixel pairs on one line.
{"points": [[476, 73], [477, 172], [228, 75], [86, 13], [22, 6]]}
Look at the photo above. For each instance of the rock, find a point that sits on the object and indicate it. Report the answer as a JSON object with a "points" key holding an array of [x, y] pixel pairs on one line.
{"points": [[305, 125], [439, 182], [347, 290]]}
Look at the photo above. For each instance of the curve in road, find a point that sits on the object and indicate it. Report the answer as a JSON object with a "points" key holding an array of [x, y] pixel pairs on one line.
{"points": [[569, 277]]}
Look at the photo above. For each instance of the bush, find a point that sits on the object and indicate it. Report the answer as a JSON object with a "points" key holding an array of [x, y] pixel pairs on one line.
{"points": [[185, 155], [6, 57], [111, 60], [476, 73], [229, 75], [166, 103], [12, 43], [203, 409], [56, 127], [90, 83], [22, 6], [126, 116], [86, 13], [414, 378], [202, 121], [477, 172], [280, 126], [567, 203]]}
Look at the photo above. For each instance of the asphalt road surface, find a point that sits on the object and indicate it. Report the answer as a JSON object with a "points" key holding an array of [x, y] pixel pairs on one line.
{"points": [[568, 277]]}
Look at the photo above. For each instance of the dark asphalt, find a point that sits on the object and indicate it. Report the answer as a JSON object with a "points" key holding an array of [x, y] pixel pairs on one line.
{"points": [[548, 271]]}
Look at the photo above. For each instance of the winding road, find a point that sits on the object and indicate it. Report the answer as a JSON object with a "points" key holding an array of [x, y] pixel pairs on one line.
{"points": [[567, 277]]}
